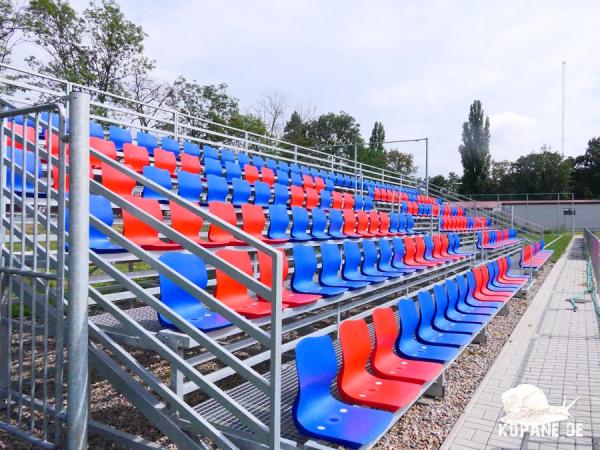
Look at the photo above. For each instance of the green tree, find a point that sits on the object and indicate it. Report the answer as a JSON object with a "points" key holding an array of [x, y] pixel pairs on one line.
{"points": [[475, 151], [586, 171], [546, 171], [98, 49], [248, 122], [295, 130], [501, 177], [333, 129], [374, 155], [399, 162], [439, 181], [11, 24], [453, 182]]}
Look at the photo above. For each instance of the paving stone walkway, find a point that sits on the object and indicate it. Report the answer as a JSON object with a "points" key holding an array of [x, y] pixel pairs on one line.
{"points": [[553, 348]]}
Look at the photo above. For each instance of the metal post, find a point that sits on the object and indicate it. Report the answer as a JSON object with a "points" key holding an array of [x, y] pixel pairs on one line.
{"points": [[355, 168], [246, 141], [427, 166], [557, 209], [572, 213], [176, 126], [77, 328], [275, 344]]}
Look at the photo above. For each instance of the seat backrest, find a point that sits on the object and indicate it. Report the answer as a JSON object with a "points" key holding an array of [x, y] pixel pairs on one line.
{"points": [[267, 176], [394, 222], [305, 264], [227, 289], [271, 164], [137, 157], [451, 292], [262, 193], [307, 181], [265, 268], [224, 211], [250, 173], [119, 136], [258, 162], [348, 200], [337, 200], [408, 319], [189, 266], [316, 365], [241, 191], [146, 140], [217, 188], [399, 250], [385, 251], [325, 199], [296, 179], [336, 221], [96, 130], [159, 176], [370, 251], [253, 220], [191, 149], [441, 299], [243, 159], [281, 194], [279, 221], [165, 160], [356, 348], [386, 331], [312, 198], [227, 155], [319, 221], [189, 185], [209, 152], [362, 222], [300, 221], [185, 222], [213, 167], [99, 208], [373, 222], [169, 145], [105, 147], [116, 181], [297, 196], [232, 170], [137, 228], [426, 307], [331, 260], [282, 177]]}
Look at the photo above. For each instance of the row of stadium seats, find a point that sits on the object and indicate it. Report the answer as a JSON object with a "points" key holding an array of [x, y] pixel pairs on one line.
{"points": [[380, 378], [464, 223], [534, 256], [495, 239]]}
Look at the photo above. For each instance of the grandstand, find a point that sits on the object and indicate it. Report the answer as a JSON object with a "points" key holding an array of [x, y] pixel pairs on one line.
{"points": [[298, 299]]}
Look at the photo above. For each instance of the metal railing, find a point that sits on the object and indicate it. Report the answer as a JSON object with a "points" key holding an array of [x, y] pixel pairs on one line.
{"points": [[592, 243]]}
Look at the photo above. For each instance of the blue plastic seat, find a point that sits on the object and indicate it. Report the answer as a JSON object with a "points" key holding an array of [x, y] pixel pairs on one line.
{"points": [[258, 162], [279, 220], [305, 268], [191, 148], [282, 165], [317, 413], [170, 145], [227, 155], [447, 319], [385, 259], [209, 152], [119, 136], [100, 208], [442, 300], [359, 202], [466, 288], [398, 259], [410, 224], [353, 263], [159, 176], [232, 170], [329, 185], [271, 164], [300, 221], [331, 260], [296, 179], [282, 178], [407, 344], [241, 191], [243, 159], [368, 203], [217, 188], [428, 331], [22, 184], [325, 201], [336, 222], [190, 185], [213, 167], [394, 223], [147, 140], [371, 261], [262, 193], [294, 168], [493, 283], [319, 223], [477, 314], [179, 300], [96, 130], [281, 194]]}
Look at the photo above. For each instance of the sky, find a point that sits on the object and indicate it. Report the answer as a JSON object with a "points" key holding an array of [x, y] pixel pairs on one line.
{"points": [[415, 66]]}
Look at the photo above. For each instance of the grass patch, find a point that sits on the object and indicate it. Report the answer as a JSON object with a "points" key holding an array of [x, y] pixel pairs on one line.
{"points": [[559, 246]]}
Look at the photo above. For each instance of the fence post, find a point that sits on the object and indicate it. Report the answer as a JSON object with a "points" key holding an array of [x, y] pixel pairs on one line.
{"points": [[176, 126], [295, 153], [275, 344], [246, 141], [77, 328]]}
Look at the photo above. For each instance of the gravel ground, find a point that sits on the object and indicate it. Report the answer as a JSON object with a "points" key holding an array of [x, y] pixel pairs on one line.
{"points": [[424, 426]]}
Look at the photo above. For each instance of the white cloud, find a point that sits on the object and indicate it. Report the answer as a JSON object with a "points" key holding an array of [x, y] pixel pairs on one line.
{"points": [[512, 134]]}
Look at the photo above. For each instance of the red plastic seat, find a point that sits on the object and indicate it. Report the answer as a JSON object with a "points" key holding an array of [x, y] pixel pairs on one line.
{"points": [[267, 176], [337, 200], [484, 276], [140, 232], [307, 181], [479, 295], [356, 384], [29, 134], [189, 224], [377, 194], [250, 173], [312, 198], [55, 178], [164, 159], [297, 196], [389, 195], [350, 223], [289, 298], [224, 211], [410, 255], [137, 157], [233, 293], [319, 184], [105, 147], [374, 223], [348, 200], [190, 163], [387, 364], [362, 227], [253, 222], [117, 181], [440, 249], [384, 225], [420, 253]]}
